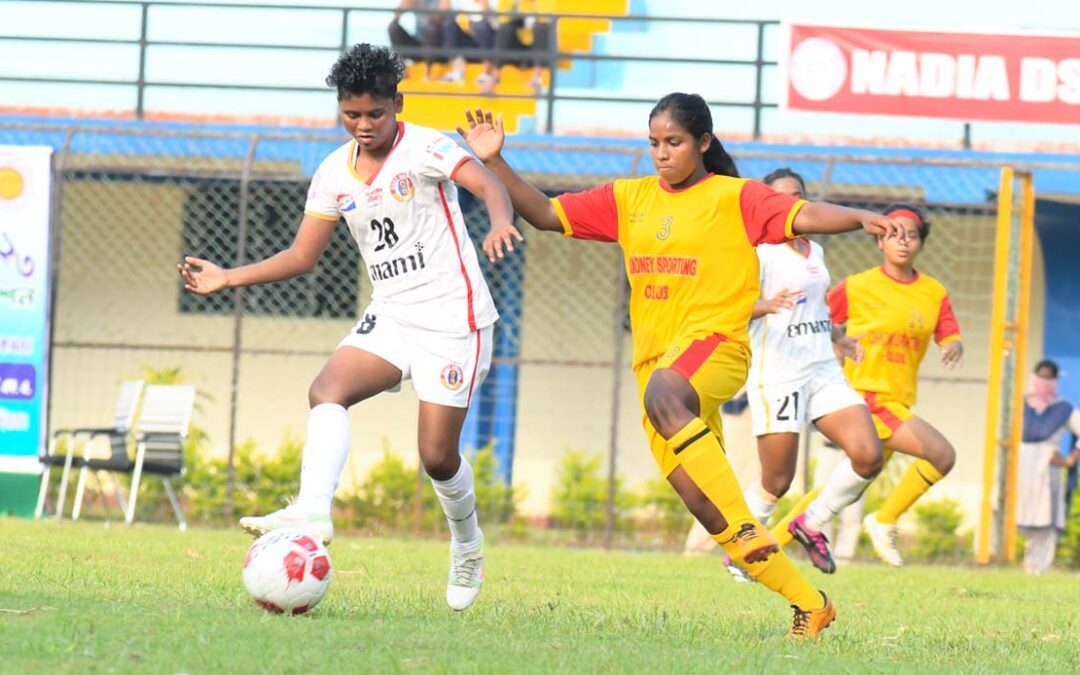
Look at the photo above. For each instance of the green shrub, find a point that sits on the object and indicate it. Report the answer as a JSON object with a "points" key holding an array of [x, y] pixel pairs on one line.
{"points": [[936, 534], [385, 498], [579, 498], [496, 501], [264, 481], [662, 510]]}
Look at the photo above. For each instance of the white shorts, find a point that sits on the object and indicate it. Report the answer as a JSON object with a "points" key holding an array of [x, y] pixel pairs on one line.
{"points": [[445, 368], [786, 407]]}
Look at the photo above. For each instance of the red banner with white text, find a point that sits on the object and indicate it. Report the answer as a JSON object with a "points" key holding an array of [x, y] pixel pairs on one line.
{"points": [[1021, 77]]}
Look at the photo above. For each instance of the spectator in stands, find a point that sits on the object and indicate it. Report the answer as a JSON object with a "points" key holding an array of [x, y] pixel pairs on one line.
{"points": [[427, 34], [1041, 508], [465, 27], [530, 34]]}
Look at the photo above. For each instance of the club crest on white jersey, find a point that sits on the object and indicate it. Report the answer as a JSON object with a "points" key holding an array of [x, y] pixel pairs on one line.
{"points": [[407, 223]]}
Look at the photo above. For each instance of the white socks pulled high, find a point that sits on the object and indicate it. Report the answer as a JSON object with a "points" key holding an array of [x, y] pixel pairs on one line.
{"points": [[843, 488], [458, 499], [325, 452], [761, 503]]}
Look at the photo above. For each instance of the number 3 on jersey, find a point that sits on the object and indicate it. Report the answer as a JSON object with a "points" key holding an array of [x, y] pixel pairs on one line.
{"points": [[386, 234], [788, 407]]}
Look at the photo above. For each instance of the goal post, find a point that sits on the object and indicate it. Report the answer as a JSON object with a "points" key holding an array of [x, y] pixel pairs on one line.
{"points": [[1007, 368]]}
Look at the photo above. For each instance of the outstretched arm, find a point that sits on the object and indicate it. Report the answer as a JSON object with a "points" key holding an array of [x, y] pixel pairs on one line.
{"points": [[785, 299], [204, 277], [485, 137], [478, 180], [825, 218]]}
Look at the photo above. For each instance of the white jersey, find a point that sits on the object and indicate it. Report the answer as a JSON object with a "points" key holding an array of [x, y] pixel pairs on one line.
{"points": [[787, 345], [407, 223]]}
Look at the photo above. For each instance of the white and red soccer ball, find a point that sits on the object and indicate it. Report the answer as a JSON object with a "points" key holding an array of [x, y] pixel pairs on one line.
{"points": [[287, 571]]}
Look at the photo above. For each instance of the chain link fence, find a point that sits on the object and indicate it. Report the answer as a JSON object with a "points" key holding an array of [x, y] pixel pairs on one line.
{"points": [[559, 412]]}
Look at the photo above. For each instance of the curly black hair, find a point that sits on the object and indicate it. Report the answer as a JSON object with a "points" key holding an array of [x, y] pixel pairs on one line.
{"points": [[784, 172], [924, 229], [367, 69]]}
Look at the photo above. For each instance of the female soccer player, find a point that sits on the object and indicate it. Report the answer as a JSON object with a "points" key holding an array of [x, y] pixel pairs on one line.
{"points": [[896, 311], [794, 378], [430, 317], [688, 236]]}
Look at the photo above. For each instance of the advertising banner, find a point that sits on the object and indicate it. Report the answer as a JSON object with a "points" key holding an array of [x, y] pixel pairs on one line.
{"points": [[25, 192], [966, 76]]}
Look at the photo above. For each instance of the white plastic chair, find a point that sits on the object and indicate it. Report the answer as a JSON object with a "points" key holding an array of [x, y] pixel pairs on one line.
{"points": [[161, 431], [127, 402]]}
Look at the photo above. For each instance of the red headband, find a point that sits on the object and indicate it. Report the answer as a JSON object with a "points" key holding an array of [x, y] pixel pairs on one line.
{"points": [[908, 213]]}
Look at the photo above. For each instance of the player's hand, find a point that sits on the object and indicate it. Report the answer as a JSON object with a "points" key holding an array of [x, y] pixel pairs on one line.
{"points": [[849, 348], [882, 226], [785, 299], [208, 278], [485, 135], [952, 355], [500, 240]]}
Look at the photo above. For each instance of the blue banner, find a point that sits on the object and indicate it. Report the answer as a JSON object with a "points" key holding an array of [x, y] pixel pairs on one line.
{"points": [[25, 195]]}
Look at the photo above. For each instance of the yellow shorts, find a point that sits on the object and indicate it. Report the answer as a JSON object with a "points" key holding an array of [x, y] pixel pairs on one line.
{"points": [[888, 415], [714, 366]]}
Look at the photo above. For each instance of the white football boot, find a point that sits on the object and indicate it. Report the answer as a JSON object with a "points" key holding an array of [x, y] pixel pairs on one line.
{"points": [[738, 574], [883, 537], [466, 577], [291, 517]]}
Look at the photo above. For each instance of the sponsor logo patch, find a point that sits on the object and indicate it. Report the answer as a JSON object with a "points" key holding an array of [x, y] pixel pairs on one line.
{"points": [[346, 203]]}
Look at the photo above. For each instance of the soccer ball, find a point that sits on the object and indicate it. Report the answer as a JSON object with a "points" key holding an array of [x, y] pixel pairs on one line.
{"points": [[287, 571]]}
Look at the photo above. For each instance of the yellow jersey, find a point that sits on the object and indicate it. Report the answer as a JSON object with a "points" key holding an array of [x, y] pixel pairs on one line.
{"points": [[689, 253], [894, 320]]}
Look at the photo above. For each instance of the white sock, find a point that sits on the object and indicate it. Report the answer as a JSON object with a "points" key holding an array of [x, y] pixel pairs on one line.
{"points": [[761, 503], [325, 452], [458, 500], [843, 488]]}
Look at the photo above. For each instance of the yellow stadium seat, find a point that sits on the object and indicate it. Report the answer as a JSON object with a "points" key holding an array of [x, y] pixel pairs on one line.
{"points": [[425, 105]]}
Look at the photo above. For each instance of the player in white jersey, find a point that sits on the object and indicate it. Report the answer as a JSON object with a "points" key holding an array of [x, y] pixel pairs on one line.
{"points": [[794, 377], [431, 314]]}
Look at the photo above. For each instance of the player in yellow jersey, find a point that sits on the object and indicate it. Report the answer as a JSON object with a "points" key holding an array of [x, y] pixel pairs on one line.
{"points": [[688, 236], [895, 311]]}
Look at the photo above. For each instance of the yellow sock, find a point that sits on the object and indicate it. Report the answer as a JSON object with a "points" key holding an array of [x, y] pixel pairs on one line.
{"points": [[779, 574], [915, 482], [780, 531], [701, 454]]}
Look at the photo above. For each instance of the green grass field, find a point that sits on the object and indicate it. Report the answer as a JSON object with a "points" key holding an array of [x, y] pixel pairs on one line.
{"points": [[80, 597]]}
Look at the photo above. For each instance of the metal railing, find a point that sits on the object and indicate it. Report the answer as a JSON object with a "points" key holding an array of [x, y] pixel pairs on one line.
{"points": [[549, 54]]}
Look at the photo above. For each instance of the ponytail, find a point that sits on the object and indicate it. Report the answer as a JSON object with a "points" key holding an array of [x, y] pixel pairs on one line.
{"points": [[718, 161]]}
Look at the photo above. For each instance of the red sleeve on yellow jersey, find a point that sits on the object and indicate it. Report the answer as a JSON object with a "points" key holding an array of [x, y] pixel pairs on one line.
{"points": [[838, 311], [592, 214], [768, 215], [947, 328]]}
